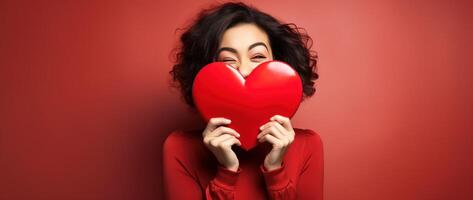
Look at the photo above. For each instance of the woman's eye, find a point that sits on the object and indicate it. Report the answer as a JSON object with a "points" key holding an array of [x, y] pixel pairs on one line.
{"points": [[227, 60], [259, 57]]}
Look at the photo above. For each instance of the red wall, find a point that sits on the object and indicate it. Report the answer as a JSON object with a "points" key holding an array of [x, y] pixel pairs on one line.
{"points": [[85, 103]]}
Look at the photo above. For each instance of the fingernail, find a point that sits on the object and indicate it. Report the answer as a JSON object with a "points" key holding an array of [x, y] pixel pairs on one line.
{"points": [[261, 127], [228, 121]]}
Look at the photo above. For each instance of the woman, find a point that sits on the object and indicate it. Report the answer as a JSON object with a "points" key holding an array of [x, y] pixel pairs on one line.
{"points": [[208, 163]]}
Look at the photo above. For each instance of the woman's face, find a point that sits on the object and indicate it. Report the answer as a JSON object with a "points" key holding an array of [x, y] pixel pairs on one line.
{"points": [[244, 46]]}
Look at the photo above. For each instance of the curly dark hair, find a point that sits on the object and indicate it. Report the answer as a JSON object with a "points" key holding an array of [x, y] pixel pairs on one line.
{"points": [[201, 40]]}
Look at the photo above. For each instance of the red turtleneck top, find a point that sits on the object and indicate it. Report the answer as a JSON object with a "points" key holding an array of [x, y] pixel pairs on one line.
{"points": [[191, 171]]}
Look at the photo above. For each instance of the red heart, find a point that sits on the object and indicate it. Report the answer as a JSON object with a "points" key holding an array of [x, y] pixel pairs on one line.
{"points": [[273, 87]]}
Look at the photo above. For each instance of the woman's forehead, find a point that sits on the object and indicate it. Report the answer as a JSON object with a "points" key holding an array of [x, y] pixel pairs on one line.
{"points": [[243, 36]]}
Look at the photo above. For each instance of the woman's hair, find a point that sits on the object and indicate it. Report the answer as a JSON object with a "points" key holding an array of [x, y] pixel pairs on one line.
{"points": [[200, 42]]}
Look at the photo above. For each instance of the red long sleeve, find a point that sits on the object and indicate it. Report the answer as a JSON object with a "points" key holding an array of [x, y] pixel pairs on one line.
{"points": [[278, 184], [192, 172], [223, 186]]}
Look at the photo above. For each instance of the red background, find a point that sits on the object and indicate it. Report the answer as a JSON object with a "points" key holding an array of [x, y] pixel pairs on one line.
{"points": [[85, 103]]}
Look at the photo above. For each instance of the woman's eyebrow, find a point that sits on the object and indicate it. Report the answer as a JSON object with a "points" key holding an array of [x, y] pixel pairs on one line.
{"points": [[257, 44], [236, 52], [227, 49]]}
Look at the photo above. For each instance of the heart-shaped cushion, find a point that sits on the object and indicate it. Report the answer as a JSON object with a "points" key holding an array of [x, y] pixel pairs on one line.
{"points": [[273, 87]]}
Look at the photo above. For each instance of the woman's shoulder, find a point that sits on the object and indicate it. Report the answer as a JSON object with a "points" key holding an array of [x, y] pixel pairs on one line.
{"points": [[180, 134], [183, 138], [185, 149], [308, 137], [306, 133]]}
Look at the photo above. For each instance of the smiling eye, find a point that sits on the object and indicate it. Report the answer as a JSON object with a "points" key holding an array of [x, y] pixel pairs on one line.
{"points": [[259, 57], [227, 60]]}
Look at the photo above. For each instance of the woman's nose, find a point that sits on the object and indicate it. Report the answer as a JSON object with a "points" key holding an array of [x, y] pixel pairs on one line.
{"points": [[245, 69]]}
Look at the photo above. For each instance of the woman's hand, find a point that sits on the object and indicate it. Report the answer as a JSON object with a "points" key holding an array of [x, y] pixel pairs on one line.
{"points": [[280, 134], [219, 140]]}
